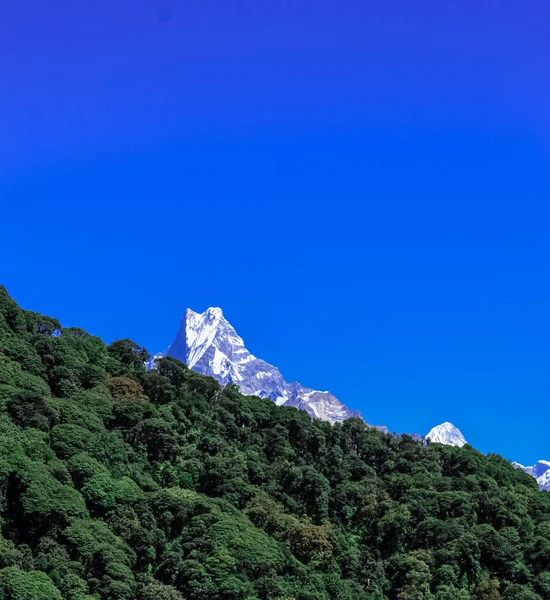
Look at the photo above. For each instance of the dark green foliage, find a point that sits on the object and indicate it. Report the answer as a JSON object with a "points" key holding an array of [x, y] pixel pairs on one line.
{"points": [[127, 356], [31, 410], [122, 484], [16, 584]]}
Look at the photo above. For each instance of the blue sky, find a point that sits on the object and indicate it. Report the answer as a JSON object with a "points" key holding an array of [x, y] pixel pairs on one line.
{"points": [[363, 187]]}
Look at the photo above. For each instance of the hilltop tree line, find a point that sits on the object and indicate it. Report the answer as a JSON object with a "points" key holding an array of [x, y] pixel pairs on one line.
{"points": [[121, 484]]}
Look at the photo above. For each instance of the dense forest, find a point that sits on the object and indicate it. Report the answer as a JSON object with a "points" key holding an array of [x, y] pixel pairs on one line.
{"points": [[122, 484]]}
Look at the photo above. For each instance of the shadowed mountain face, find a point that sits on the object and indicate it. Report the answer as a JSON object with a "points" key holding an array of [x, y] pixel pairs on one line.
{"points": [[208, 344]]}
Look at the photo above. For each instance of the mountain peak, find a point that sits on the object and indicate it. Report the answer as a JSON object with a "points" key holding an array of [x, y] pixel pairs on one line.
{"points": [[201, 331], [447, 434], [209, 313], [209, 344]]}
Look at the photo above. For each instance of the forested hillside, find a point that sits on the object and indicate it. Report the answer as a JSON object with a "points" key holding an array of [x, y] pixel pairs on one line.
{"points": [[122, 484]]}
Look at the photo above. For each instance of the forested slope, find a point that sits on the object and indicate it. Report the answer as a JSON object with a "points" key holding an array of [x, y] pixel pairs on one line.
{"points": [[117, 483]]}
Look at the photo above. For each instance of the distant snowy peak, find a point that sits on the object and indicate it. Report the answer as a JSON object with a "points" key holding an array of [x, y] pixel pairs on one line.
{"points": [[447, 434], [540, 471], [544, 481], [209, 344]]}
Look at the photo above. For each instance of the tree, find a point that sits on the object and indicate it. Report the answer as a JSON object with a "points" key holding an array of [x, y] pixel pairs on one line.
{"points": [[16, 584], [129, 354], [118, 483], [31, 410], [159, 591]]}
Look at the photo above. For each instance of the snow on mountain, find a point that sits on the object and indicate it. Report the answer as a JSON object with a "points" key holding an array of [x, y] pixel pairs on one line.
{"points": [[447, 434], [208, 344], [544, 481], [540, 471], [528, 470]]}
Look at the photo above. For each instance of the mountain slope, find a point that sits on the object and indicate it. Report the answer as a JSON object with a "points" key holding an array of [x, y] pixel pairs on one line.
{"points": [[209, 345], [118, 483]]}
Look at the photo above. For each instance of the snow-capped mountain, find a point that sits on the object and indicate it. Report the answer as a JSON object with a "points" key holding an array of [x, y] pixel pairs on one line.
{"points": [[447, 434], [208, 344], [540, 471]]}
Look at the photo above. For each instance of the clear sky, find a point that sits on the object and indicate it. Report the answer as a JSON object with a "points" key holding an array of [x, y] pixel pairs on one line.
{"points": [[362, 186]]}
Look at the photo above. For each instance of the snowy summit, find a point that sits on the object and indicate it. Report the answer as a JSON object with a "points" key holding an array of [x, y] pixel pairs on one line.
{"points": [[447, 434], [208, 344]]}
